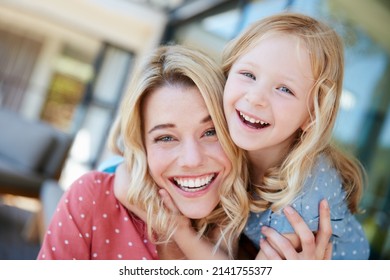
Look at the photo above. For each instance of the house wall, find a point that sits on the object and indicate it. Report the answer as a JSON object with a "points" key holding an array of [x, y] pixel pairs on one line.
{"points": [[84, 25]]}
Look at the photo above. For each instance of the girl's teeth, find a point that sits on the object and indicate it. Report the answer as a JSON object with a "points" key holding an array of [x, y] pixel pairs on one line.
{"points": [[249, 119], [252, 120]]}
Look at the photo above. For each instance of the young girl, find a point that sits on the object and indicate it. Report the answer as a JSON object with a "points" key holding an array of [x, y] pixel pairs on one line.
{"points": [[174, 139], [284, 82]]}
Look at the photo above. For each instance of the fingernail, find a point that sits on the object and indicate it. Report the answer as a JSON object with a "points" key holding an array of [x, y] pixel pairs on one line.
{"points": [[288, 210], [325, 204]]}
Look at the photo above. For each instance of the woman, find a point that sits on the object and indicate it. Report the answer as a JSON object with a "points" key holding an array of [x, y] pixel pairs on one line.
{"points": [[131, 199], [175, 141]]}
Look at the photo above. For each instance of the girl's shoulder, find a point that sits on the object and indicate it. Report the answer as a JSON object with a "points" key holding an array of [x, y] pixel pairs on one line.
{"points": [[323, 182], [323, 176]]}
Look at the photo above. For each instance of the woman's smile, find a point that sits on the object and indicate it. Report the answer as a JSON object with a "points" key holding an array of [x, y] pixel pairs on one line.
{"points": [[193, 184]]}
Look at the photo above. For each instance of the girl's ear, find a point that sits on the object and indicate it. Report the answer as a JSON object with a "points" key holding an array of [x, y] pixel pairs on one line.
{"points": [[306, 124]]}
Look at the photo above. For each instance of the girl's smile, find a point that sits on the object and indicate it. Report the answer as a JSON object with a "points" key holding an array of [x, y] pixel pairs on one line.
{"points": [[266, 94], [252, 122]]}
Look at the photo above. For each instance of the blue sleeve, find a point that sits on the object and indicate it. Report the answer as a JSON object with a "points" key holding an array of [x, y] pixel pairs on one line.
{"points": [[110, 165]]}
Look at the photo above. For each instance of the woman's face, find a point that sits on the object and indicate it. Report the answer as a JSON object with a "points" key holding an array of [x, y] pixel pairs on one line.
{"points": [[183, 152]]}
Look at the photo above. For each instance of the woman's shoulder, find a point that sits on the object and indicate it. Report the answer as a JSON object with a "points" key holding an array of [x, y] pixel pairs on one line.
{"points": [[93, 178], [91, 185], [95, 175]]}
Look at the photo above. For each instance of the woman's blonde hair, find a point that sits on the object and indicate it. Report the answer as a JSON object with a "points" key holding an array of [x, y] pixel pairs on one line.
{"points": [[282, 183], [182, 66]]}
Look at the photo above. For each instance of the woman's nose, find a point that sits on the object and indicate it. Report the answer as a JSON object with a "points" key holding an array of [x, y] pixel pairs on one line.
{"points": [[191, 154]]}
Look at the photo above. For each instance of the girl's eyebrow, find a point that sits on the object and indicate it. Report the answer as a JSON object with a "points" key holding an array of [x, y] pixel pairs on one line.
{"points": [[171, 125], [245, 63], [206, 119]]}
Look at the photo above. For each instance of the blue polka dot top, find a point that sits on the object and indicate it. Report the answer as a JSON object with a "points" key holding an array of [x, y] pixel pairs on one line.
{"points": [[349, 240]]}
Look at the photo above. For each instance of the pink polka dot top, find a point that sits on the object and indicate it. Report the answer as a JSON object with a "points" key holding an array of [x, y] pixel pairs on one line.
{"points": [[90, 223]]}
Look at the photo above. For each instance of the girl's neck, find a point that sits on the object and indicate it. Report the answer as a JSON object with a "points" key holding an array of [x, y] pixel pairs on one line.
{"points": [[261, 160]]}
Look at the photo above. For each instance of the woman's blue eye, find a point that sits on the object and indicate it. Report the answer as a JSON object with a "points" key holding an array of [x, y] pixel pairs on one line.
{"points": [[249, 75], [164, 139], [286, 90]]}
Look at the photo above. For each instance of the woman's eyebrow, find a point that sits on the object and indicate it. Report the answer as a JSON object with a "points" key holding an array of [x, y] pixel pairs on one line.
{"points": [[161, 126], [171, 125]]}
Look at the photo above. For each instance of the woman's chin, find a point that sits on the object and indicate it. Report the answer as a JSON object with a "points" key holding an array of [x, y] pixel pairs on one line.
{"points": [[191, 214]]}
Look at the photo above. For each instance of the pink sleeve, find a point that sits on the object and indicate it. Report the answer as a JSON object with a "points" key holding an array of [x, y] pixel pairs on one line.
{"points": [[67, 234]]}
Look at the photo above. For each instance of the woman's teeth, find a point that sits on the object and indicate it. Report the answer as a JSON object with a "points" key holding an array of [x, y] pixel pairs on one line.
{"points": [[193, 184]]}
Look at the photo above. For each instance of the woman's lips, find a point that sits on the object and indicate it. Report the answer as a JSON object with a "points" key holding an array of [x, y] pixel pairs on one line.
{"points": [[193, 184]]}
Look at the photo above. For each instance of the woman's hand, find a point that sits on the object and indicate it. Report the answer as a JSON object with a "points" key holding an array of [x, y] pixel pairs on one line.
{"points": [[315, 247]]}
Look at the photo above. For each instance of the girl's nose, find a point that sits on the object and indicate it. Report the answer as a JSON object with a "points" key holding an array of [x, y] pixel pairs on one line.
{"points": [[257, 95]]}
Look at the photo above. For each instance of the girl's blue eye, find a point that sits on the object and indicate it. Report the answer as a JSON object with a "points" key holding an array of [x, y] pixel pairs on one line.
{"points": [[286, 90], [249, 75], [210, 132]]}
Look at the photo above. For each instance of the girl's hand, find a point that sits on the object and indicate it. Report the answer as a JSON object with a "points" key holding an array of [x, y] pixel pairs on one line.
{"points": [[315, 247]]}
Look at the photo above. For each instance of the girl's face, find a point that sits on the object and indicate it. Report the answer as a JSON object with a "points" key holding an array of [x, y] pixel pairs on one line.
{"points": [[266, 94], [183, 152]]}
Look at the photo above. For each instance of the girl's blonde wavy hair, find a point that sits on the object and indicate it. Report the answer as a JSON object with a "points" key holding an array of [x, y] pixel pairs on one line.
{"points": [[282, 183], [181, 66]]}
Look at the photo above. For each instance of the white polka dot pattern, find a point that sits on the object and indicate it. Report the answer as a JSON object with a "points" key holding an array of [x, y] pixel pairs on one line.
{"points": [[349, 240], [90, 223]]}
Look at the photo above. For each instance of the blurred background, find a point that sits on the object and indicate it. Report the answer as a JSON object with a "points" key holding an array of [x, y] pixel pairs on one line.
{"points": [[65, 64]]}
